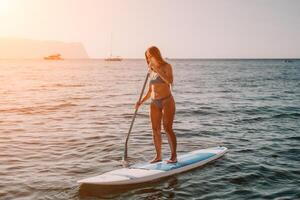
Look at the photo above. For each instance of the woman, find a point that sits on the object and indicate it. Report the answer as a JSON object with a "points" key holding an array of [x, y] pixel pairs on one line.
{"points": [[162, 106]]}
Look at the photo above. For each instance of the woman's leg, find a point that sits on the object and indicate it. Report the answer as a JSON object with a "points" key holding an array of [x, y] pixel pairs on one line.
{"points": [[156, 115], [169, 109]]}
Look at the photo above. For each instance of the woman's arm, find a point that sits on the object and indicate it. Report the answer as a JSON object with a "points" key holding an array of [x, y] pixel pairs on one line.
{"points": [[137, 104], [147, 95], [166, 74]]}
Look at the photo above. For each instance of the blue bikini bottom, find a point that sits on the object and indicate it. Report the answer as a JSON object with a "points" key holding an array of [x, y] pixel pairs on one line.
{"points": [[159, 102]]}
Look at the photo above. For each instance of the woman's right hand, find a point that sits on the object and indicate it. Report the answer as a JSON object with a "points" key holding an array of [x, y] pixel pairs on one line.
{"points": [[137, 104]]}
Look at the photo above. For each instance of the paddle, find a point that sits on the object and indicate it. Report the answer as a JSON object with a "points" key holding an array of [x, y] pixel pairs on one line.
{"points": [[124, 160]]}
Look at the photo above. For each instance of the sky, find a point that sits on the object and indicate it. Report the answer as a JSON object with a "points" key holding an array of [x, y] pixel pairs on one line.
{"points": [[179, 28]]}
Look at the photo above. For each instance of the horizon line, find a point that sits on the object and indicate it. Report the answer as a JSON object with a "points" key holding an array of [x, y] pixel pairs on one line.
{"points": [[194, 58]]}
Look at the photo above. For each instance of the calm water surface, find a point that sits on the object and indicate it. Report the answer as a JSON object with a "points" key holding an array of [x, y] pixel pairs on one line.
{"points": [[66, 120]]}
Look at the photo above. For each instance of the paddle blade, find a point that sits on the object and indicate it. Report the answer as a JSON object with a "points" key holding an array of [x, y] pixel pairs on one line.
{"points": [[125, 163], [128, 161]]}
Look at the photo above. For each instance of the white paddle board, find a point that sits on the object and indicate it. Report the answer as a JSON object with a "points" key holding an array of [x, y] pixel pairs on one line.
{"points": [[144, 172]]}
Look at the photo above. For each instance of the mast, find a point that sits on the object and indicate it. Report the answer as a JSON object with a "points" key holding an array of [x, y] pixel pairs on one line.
{"points": [[110, 44]]}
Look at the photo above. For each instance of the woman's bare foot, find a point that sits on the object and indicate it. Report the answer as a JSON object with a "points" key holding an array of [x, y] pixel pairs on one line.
{"points": [[156, 159], [172, 160]]}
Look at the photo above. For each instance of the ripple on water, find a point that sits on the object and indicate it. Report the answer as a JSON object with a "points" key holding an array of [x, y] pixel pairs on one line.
{"points": [[63, 121]]}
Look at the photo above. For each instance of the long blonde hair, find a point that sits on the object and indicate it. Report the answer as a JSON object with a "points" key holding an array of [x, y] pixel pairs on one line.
{"points": [[155, 52]]}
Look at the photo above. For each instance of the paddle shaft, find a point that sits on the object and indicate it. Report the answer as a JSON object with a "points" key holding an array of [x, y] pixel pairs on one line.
{"points": [[134, 115]]}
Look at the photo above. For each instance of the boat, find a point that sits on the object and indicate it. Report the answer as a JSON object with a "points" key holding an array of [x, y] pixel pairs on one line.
{"points": [[53, 57], [111, 57]]}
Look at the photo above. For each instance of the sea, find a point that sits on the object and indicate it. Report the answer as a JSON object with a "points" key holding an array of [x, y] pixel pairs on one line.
{"points": [[62, 121]]}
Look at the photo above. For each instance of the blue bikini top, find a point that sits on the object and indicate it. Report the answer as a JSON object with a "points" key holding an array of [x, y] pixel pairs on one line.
{"points": [[155, 78]]}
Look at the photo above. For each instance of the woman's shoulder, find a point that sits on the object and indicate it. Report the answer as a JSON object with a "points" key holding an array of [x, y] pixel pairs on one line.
{"points": [[167, 66]]}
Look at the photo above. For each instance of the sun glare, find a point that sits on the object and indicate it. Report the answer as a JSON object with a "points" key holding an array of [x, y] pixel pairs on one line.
{"points": [[5, 6]]}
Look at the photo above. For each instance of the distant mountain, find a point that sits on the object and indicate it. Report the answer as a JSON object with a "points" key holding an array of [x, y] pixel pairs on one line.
{"points": [[14, 48]]}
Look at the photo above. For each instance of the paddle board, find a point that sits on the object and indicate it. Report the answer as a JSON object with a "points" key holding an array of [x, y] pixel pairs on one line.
{"points": [[144, 172]]}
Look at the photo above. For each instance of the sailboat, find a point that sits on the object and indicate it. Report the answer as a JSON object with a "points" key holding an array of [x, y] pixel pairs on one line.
{"points": [[111, 57]]}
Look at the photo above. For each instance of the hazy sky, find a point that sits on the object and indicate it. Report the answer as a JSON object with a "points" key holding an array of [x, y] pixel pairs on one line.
{"points": [[180, 28]]}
